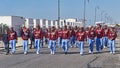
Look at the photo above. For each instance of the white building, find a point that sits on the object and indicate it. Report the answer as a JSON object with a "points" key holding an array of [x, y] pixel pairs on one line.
{"points": [[13, 21], [29, 23], [71, 22]]}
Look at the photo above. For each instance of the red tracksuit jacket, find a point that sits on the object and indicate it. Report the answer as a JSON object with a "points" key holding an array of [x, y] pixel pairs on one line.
{"points": [[91, 34], [37, 34], [112, 35], [105, 32], [53, 35], [25, 33], [72, 32], [99, 32], [65, 34], [80, 36], [12, 35], [59, 33]]}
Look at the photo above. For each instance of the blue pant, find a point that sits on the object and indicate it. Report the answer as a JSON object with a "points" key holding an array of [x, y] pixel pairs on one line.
{"points": [[42, 42], [81, 46], [99, 44], [25, 45], [72, 41], [37, 44], [52, 44], [13, 45], [112, 46], [91, 44], [105, 41], [87, 40], [65, 45], [6, 47], [59, 41]]}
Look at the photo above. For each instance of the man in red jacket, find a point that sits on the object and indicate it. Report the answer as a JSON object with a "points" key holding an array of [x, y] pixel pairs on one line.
{"points": [[76, 42], [25, 36], [99, 36], [91, 40], [80, 35], [65, 39], [112, 36], [72, 36], [52, 40], [59, 31], [47, 35], [37, 36], [105, 36], [12, 37]]}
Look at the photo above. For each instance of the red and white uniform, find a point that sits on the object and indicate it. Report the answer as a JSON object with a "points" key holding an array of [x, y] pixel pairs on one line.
{"points": [[25, 33], [105, 32], [53, 35], [99, 32], [65, 34], [12, 35], [91, 34], [59, 33], [86, 33], [72, 32], [37, 34], [80, 36], [112, 35]]}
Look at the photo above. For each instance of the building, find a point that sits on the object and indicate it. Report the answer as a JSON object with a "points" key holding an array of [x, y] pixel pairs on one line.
{"points": [[71, 22], [13, 21]]}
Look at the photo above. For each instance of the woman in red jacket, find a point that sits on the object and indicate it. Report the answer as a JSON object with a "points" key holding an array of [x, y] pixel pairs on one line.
{"points": [[80, 35], [52, 40], [25, 36], [12, 37], [112, 36]]}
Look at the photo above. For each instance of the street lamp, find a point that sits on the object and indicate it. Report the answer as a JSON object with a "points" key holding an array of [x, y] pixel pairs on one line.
{"points": [[102, 15], [84, 14], [106, 17], [58, 12], [96, 13]]}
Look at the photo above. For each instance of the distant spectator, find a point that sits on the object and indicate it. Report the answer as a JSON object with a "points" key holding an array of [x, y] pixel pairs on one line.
{"points": [[6, 42]]}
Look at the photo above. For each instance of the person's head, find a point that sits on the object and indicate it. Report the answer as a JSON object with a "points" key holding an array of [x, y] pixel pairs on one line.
{"points": [[5, 31], [53, 28], [76, 28], [65, 27], [92, 28], [87, 28], [37, 27], [11, 29], [81, 29], [98, 25], [105, 26]]}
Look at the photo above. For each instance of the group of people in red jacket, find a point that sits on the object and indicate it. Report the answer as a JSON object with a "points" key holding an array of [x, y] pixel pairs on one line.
{"points": [[66, 37]]}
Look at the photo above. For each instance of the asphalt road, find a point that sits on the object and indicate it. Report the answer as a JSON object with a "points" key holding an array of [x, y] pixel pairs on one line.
{"points": [[72, 60]]}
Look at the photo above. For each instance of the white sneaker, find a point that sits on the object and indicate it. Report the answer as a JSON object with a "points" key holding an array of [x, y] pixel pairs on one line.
{"points": [[25, 53], [37, 53], [110, 52], [90, 52], [51, 52]]}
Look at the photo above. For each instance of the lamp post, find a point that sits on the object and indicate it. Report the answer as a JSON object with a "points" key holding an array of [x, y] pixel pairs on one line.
{"points": [[58, 12], [102, 15], [95, 14]]}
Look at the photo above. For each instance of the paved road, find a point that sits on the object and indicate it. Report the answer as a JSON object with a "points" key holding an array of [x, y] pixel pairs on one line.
{"points": [[59, 60]]}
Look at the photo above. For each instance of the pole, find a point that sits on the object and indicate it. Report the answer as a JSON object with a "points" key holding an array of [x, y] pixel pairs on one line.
{"points": [[84, 13], [102, 15], [95, 13], [58, 12]]}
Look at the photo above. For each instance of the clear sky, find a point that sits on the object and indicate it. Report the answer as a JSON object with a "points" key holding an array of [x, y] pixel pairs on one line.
{"points": [[69, 9]]}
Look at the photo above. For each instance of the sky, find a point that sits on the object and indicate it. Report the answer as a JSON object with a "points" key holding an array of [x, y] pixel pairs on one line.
{"points": [[47, 9]]}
